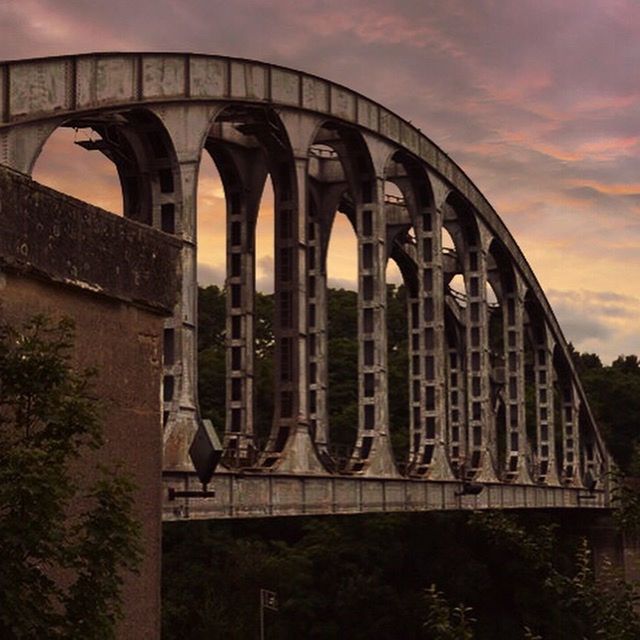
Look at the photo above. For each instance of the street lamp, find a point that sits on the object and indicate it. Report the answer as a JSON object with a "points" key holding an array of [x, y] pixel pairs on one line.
{"points": [[205, 453]]}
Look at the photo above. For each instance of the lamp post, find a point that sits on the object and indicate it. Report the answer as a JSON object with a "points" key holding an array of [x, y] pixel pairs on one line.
{"points": [[205, 453], [268, 600]]}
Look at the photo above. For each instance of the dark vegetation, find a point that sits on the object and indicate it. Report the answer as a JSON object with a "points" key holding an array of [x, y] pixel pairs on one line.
{"points": [[614, 397], [439, 576], [343, 362]]}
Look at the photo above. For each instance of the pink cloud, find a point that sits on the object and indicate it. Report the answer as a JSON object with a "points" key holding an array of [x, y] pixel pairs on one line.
{"points": [[537, 99]]}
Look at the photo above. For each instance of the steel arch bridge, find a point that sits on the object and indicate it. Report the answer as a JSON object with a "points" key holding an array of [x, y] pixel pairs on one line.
{"points": [[327, 149]]}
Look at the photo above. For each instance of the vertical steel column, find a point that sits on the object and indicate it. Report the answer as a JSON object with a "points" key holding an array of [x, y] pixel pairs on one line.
{"points": [[547, 471], [373, 449], [323, 203], [480, 461], [513, 337], [456, 404], [317, 338], [290, 448], [590, 464], [290, 301], [416, 397], [243, 202], [432, 458], [180, 408], [570, 434], [187, 128]]}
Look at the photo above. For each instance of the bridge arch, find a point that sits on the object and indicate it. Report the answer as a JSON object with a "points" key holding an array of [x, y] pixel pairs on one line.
{"points": [[286, 111], [470, 239], [356, 190]]}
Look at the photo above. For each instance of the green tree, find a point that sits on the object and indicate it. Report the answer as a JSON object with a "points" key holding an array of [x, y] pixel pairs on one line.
{"points": [[606, 607], [614, 397], [445, 623], [64, 551]]}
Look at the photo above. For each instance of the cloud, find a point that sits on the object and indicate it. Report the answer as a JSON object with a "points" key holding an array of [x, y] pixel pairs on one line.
{"points": [[537, 100], [600, 321], [208, 274], [264, 273]]}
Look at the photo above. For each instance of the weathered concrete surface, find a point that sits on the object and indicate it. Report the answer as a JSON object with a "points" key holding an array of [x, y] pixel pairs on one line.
{"points": [[91, 266], [254, 495], [60, 239]]}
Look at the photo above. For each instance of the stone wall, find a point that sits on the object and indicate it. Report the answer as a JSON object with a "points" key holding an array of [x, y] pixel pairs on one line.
{"points": [[117, 280]]}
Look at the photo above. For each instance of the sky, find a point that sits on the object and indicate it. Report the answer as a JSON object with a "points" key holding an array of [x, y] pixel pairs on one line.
{"points": [[537, 100]]}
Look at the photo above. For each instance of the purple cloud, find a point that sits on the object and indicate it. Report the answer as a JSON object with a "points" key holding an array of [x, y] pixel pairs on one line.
{"points": [[537, 100]]}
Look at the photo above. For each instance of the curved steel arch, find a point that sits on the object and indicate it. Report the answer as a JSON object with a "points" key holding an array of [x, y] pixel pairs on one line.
{"points": [[280, 111]]}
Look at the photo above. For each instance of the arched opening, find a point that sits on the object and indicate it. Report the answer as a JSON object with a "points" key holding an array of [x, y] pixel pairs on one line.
{"points": [[448, 246], [342, 338], [458, 290], [342, 255], [503, 360], [127, 164], [71, 162], [264, 349], [138, 147], [237, 248], [393, 194], [343, 188], [542, 412], [416, 357], [461, 222], [264, 241], [211, 227]]}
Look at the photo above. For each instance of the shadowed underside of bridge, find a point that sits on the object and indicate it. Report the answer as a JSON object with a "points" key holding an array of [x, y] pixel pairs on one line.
{"points": [[494, 397]]}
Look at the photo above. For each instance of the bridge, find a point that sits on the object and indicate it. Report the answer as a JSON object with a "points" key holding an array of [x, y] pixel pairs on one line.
{"points": [[498, 418]]}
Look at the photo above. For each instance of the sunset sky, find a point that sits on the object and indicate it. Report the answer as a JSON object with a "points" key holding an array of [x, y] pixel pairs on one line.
{"points": [[538, 101]]}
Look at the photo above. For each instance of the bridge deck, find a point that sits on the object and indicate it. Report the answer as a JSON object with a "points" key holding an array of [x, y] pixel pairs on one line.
{"points": [[252, 495]]}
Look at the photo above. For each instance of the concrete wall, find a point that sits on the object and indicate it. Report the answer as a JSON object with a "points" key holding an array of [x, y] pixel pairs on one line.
{"points": [[111, 276]]}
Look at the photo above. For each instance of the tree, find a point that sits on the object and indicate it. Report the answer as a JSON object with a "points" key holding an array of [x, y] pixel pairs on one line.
{"points": [[444, 623], [606, 607], [64, 550]]}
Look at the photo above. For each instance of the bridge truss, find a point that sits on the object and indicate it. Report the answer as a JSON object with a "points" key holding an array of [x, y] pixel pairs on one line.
{"points": [[472, 361]]}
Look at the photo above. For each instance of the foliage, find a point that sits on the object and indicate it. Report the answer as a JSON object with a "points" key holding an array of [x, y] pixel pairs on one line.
{"points": [[614, 396], [63, 552], [366, 576], [625, 499], [445, 623], [363, 577], [605, 607], [212, 358]]}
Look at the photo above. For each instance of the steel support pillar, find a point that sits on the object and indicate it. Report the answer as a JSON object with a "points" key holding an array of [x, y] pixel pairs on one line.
{"points": [[517, 469], [571, 472], [244, 184], [481, 442], [547, 465], [429, 369], [372, 454]]}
